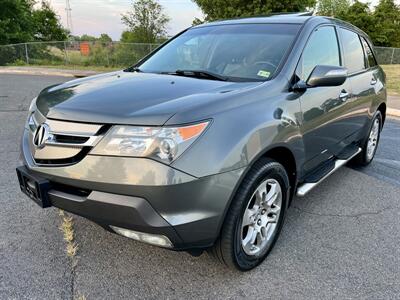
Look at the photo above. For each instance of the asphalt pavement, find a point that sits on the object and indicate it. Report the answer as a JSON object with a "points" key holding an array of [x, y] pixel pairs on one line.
{"points": [[340, 241]]}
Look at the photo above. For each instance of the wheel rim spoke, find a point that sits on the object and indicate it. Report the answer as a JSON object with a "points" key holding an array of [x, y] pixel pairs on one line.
{"points": [[272, 194]]}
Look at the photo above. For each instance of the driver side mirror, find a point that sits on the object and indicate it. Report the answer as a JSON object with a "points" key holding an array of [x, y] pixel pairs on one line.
{"points": [[323, 76]]}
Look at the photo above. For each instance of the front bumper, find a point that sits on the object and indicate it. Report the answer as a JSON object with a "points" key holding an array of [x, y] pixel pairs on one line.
{"points": [[142, 195]]}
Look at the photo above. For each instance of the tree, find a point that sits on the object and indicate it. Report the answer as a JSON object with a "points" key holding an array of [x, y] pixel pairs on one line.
{"points": [[382, 24], [360, 15], [222, 9], [20, 22], [15, 21], [104, 38], [146, 21], [87, 38], [387, 24], [332, 8], [47, 26]]}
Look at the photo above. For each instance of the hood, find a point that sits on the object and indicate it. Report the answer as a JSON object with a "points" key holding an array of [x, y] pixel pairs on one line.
{"points": [[127, 98]]}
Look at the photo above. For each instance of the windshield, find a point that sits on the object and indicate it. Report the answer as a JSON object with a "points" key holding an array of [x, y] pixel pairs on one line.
{"points": [[244, 52]]}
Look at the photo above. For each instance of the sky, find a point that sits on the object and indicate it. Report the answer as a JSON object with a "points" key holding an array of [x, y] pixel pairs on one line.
{"points": [[94, 17]]}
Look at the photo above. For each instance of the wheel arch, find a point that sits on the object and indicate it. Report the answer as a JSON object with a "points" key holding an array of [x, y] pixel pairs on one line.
{"points": [[382, 109], [282, 154]]}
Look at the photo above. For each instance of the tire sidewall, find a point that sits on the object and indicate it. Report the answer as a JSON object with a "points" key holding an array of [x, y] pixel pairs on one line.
{"points": [[367, 160], [271, 170]]}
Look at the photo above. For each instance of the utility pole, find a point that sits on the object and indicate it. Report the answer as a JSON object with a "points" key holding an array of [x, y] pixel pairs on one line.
{"points": [[69, 16]]}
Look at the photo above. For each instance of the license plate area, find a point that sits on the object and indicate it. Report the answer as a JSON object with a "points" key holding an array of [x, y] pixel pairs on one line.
{"points": [[34, 187]]}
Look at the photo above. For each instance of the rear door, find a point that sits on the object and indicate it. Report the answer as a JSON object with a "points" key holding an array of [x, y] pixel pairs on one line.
{"points": [[361, 67], [323, 108]]}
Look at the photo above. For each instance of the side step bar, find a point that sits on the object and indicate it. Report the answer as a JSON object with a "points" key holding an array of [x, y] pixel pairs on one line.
{"points": [[304, 188]]}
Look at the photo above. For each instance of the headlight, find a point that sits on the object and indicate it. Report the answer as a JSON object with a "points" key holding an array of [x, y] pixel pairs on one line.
{"points": [[30, 123], [161, 143]]}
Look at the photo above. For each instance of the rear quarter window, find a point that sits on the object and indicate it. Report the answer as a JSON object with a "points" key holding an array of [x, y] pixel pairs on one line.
{"points": [[368, 53], [353, 52]]}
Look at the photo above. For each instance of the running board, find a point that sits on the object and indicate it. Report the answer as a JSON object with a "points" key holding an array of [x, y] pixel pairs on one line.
{"points": [[304, 188]]}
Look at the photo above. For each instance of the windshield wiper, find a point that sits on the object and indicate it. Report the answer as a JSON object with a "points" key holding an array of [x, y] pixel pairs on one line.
{"points": [[133, 69], [197, 74]]}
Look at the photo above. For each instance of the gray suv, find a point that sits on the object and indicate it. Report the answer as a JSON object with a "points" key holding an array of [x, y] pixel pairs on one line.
{"points": [[204, 143]]}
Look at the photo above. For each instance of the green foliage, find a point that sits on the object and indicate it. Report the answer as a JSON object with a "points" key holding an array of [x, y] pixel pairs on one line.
{"points": [[47, 24], [382, 24], [88, 38], [20, 22], [146, 22], [222, 9], [332, 8], [16, 21], [360, 15], [104, 38], [387, 24]]}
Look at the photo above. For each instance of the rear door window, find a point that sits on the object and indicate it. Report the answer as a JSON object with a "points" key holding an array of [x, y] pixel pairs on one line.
{"points": [[353, 52], [368, 53], [321, 49]]}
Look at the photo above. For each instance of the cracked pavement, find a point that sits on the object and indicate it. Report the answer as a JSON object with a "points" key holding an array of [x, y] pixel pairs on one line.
{"points": [[340, 241]]}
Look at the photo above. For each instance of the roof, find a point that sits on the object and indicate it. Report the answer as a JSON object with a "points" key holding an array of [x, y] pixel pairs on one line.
{"points": [[281, 18], [294, 18]]}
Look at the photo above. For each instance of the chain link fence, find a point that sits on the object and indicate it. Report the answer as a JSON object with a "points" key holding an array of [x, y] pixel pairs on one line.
{"points": [[387, 55], [112, 54], [73, 53]]}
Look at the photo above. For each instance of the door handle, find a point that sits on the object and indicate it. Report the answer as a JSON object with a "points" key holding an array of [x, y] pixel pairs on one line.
{"points": [[343, 95], [373, 81]]}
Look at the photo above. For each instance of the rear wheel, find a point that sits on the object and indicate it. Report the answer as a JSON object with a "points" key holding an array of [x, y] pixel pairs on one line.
{"points": [[371, 142], [255, 218]]}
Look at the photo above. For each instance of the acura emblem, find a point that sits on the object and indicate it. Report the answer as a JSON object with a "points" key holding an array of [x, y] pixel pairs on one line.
{"points": [[42, 134]]}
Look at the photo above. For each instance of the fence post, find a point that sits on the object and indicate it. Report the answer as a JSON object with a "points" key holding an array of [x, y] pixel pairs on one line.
{"points": [[65, 53], [26, 54], [391, 59], [107, 55]]}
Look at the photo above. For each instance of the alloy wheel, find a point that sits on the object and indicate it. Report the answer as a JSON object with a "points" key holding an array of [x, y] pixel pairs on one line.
{"points": [[260, 218], [373, 139]]}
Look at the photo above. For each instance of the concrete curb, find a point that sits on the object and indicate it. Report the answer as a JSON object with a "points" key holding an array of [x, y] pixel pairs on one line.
{"points": [[393, 112]]}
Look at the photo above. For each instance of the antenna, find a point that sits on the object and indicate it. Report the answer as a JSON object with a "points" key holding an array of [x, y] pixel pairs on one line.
{"points": [[69, 16]]}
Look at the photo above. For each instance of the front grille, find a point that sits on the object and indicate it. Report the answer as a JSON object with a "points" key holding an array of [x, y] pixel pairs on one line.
{"points": [[65, 143], [67, 139]]}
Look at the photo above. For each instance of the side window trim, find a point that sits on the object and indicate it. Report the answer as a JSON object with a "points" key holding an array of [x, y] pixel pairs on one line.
{"points": [[366, 62], [341, 61], [364, 40]]}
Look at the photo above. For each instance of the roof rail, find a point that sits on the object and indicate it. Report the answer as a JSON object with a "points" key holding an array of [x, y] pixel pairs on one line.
{"points": [[293, 14]]}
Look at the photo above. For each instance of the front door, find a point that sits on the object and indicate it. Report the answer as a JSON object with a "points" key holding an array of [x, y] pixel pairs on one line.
{"points": [[361, 65], [323, 108]]}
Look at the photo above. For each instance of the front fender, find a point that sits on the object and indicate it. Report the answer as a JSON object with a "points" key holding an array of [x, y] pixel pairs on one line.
{"points": [[239, 135]]}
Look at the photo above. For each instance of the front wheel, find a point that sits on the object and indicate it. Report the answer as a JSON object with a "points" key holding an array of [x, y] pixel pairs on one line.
{"points": [[255, 218], [371, 142]]}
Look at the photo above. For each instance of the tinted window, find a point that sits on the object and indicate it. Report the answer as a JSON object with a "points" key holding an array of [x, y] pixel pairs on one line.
{"points": [[246, 51], [321, 49], [353, 51], [368, 52]]}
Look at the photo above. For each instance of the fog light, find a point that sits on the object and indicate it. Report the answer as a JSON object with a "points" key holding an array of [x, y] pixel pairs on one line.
{"points": [[149, 238]]}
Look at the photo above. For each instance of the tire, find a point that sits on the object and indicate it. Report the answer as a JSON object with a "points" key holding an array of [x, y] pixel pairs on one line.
{"points": [[366, 156], [229, 248]]}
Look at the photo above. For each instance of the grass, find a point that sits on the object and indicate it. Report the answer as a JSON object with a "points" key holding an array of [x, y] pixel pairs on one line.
{"points": [[392, 78], [67, 228], [68, 67]]}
